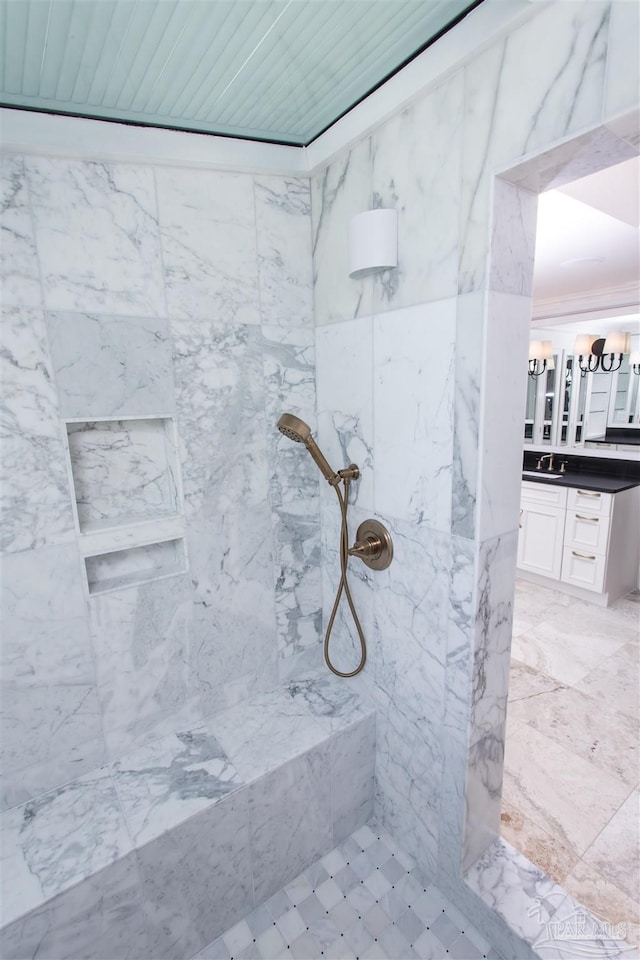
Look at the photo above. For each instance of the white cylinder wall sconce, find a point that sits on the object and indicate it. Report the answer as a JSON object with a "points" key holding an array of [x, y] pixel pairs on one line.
{"points": [[373, 242]]}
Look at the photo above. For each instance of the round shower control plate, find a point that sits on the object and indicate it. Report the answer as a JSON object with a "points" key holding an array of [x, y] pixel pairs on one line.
{"points": [[373, 545]]}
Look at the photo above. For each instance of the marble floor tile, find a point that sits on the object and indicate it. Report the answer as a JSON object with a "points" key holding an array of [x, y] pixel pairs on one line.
{"points": [[615, 681], [604, 899], [525, 682], [577, 721], [356, 925], [542, 848], [567, 651], [169, 780], [575, 813], [615, 853]]}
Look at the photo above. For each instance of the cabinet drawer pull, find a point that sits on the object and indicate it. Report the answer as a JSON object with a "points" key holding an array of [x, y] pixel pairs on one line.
{"points": [[589, 493], [520, 521], [582, 556], [590, 519]]}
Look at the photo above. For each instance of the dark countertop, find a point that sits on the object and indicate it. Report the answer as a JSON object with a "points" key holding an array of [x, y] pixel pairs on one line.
{"points": [[602, 474], [587, 481]]}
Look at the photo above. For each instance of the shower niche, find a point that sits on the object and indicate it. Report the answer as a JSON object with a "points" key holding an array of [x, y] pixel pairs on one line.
{"points": [[127, 500]]}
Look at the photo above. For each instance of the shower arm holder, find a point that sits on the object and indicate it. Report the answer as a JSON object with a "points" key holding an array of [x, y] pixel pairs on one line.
{"points": [[373, 545]]}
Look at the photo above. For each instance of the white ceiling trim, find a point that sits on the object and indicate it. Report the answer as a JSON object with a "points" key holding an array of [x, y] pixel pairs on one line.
{"points": [[604, 301]]}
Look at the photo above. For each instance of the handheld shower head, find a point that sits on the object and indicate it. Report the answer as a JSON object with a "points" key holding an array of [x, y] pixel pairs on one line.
{"points": [[294, 428], [300, 432]]}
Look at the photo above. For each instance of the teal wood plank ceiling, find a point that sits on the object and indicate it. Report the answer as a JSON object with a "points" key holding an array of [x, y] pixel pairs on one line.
{"points": [[275, 70]]}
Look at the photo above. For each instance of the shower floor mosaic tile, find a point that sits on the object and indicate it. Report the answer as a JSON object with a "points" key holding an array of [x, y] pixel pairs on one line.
{"points": [[362, 901]]}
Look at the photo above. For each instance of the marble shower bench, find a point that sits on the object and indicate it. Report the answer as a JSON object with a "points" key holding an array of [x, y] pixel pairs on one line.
{"points": [[156, 854]]}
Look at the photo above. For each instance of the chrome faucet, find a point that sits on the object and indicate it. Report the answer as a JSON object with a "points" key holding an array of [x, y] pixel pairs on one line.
{"points": [[549, 457]]}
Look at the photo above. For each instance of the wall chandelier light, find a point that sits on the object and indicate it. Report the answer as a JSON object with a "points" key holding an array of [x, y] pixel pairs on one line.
{"points": [[634, 362], [600, 354], [540, 357]]}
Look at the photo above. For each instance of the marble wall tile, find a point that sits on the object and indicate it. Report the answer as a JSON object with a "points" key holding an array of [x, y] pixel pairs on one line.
{"points": [[220, 404], [352, 778], [410, 620], [288, 357], [344, 643], [105, 366], [572, 159], [36, 502], [297, 587], [466, 413], [423, 176], [483, 795], [414, 358], [507, 327], [19, 270], [55, 841], [513, 238], [338, 192], [49, 703], [234, 619], [142, 638], [452, 815], [290, 820], [459, 653], [169, 780], [626, 127], [623, 59], [289, 377], [123, 470], [408, 765], [344, 354], [45, 637], [495, 572], [283, 238], [207, 220], [96, 228], [196, 879], [101, 917], [514, 105]]}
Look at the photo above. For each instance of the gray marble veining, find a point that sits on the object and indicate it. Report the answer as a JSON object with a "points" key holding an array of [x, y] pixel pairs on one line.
{"points": [[171, 779], [36, 501], [96, 229], [19, 270], [108, 365]]}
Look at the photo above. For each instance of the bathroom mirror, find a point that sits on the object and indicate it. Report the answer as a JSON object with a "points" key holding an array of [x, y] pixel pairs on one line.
{"points": [[624, 401], [541, 403]]}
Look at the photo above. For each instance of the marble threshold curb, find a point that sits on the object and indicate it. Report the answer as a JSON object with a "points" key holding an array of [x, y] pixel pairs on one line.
{"points": [[156, 854]]}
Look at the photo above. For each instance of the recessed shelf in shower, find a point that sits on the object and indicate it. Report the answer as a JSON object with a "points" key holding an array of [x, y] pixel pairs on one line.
{"points": [[124, 476], [124, 471]]}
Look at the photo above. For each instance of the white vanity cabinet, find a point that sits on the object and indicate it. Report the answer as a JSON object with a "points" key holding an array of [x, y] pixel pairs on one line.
{"points": [[585, 540], [542, 519]]}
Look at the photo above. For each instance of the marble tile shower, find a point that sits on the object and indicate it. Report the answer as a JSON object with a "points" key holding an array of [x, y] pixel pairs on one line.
{"points": [[213, 273], [155, 322]]}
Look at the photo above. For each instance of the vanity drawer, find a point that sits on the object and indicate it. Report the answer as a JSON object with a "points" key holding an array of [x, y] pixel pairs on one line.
{"points": [[591, 501], [586, 532], [543, 493], [583, 569]]}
